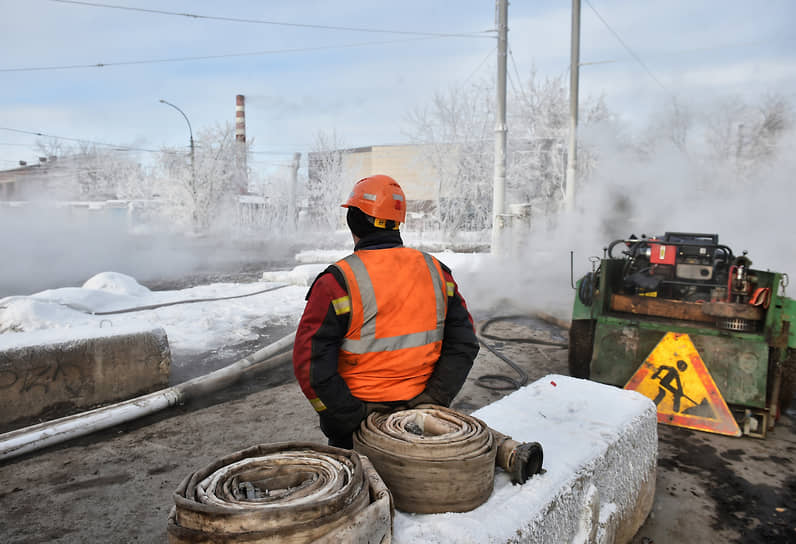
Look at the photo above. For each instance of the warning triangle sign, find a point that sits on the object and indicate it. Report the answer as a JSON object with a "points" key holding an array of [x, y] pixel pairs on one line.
{"points": [[675, 378]]}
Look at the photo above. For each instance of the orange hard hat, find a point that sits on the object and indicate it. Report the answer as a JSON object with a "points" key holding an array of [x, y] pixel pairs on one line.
{"points": [[380, 197]]}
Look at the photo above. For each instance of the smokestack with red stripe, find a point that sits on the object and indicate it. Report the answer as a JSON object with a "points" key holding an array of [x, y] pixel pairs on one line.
{"points": [[240, 119], [242, 176]]}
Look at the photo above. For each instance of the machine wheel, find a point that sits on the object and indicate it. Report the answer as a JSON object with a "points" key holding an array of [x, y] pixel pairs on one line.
{"points": [[581, 344]]}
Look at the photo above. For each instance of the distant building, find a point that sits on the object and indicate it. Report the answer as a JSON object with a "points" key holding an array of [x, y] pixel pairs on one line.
{"points": [[44, 179], [409, 164]]}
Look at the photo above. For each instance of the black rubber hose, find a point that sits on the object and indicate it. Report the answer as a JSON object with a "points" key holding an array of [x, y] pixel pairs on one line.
{"points": [[508, 383], [188, 301], [522, 340]]}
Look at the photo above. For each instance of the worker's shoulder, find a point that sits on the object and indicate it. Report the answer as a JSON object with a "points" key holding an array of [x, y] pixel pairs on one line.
{"points": [[331, 279]]}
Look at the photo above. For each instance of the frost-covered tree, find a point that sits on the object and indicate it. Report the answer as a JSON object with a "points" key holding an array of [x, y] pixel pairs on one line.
{"points": [[203, 194], [456, 135], [326, 176], [728, 138], [457, 128]]}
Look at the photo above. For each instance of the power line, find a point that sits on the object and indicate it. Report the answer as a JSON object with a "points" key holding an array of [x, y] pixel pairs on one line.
{"points": [[707, 48], [209, 57], [115, 147], [480, 64], [480, 34], [79, 140], [519, 79], [628, 49]]}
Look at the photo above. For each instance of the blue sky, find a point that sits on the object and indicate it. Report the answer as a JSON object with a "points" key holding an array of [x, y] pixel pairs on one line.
{"points": [[696, 50]]}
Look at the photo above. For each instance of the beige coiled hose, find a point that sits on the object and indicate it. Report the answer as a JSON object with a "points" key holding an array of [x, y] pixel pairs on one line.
{"points": [[285, 493], [433, 459]]}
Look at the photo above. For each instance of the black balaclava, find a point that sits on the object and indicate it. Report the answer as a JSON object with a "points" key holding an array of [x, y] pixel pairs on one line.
{"points": [[360, 224]]}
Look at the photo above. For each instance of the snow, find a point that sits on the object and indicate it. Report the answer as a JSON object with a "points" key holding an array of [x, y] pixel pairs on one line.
{"points": [[191, 328], [600, 444], [302, 275], [13, 341]]}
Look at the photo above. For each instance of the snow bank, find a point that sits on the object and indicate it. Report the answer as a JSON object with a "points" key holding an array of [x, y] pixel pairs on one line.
{"points": [[191, 328], [600, 448], [302, 275], [71, 335]]}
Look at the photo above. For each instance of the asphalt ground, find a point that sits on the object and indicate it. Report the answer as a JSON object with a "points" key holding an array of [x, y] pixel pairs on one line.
{"points": [[116, 485]]}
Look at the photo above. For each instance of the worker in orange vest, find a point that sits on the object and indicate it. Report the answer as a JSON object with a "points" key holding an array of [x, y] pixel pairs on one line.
{"points": [[384, 328]]}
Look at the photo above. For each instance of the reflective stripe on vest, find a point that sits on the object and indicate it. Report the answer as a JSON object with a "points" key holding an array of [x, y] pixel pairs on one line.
{"points": [[368, 342]]}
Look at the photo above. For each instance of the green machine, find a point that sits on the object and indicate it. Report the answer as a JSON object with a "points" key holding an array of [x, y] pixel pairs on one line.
{"points": [[683, 320]]}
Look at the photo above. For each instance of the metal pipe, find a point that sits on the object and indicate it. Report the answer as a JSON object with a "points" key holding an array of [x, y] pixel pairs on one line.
{"points": [[49, 433]]}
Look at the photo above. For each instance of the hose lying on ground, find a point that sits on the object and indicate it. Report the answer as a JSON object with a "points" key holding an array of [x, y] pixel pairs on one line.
{"points": [[32, 438], [504, 382], [186, 301], [290, 493]]}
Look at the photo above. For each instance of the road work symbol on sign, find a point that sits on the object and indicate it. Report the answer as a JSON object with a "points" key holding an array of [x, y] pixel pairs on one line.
{"points": [[675, 378]]}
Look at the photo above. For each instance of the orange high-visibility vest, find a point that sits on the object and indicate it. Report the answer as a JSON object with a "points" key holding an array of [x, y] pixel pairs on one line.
{"points": [[398, 307]]}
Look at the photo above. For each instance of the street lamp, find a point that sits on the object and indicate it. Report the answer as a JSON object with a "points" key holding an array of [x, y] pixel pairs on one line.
{"points": [[190, 131]]}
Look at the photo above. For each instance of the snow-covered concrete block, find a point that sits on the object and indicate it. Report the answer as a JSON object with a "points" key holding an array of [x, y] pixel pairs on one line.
{"points": [[600, 454], [50, 373]]}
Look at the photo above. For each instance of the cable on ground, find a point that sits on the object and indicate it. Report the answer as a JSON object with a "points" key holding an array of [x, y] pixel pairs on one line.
{"points": [[503, 382]]}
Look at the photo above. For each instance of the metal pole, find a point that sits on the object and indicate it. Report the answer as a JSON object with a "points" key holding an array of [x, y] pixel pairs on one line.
{"points": [[499, 184], [574, 74], [291, 199], [193, 157]]}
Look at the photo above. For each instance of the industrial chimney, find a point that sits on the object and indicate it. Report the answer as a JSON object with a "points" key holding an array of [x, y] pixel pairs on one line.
{"points": [[241, 162], [240, 119]]}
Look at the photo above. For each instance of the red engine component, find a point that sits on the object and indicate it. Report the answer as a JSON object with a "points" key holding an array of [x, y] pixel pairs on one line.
{"points": [[662, 254]]}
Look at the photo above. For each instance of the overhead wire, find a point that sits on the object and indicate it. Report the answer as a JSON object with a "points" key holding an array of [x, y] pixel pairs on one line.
{"points": [[480, 64], [209, 57], [478, 34], [519, 79], [628, 48], [80, 140], [114, 147]]}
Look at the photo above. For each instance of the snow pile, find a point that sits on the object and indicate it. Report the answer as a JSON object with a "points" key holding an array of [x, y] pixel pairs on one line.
{"points": [[302, 275], [321, 256], [114, 282], [191, 328], [20, 314], [600, 449]]}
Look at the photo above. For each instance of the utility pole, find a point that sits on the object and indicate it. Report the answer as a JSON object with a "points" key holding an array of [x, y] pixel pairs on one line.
{"points": [[574, 75], [291, 199], [499, 184]]}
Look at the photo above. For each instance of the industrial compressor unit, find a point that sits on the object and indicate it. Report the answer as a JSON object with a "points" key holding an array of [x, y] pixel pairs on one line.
{"points": [[683, 320]]}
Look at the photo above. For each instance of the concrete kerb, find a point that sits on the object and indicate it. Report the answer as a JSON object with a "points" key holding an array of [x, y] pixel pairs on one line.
{"points": [[47, 374], [600, 446]]}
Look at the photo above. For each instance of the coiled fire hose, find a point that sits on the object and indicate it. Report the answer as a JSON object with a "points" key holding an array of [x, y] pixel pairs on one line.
{"points": [[283, 493], [435, 460]]}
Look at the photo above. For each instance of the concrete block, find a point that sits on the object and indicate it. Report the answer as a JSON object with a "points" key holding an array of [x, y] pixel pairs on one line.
{"points": [[48, 374], [600, 455]]}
